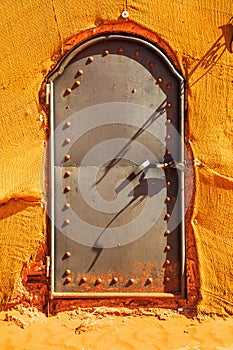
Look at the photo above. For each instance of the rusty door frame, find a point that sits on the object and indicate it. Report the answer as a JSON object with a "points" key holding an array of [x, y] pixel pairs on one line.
{"points": [[50, 92]]}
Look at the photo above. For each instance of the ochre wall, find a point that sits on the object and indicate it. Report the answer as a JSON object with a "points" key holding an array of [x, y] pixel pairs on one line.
{"points": [[33, 35]]}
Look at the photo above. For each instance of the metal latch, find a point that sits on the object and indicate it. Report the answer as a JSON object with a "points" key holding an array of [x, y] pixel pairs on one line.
{"points": [[178, 165], [48, 90], [47, 266]]}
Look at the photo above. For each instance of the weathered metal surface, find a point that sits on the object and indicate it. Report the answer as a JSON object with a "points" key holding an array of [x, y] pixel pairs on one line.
{"points": [[116, 89]]}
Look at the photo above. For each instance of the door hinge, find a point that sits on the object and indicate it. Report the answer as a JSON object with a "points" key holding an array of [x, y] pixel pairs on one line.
{"points": [[48, 266], [47, 94]]}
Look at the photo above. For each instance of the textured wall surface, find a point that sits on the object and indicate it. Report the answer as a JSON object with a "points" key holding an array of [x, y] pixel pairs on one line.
{"points": [[33, 37]]}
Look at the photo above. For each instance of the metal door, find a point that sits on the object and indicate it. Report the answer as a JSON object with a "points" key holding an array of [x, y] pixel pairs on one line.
{"points": [[117, 182]]}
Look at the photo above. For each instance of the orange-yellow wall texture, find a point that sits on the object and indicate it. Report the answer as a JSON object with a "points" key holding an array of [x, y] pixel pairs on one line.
{"points": [[33, 35]]}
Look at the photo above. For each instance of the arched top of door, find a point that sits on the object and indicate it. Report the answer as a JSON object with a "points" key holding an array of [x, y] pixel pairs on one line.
{"points": [[110, 37]]}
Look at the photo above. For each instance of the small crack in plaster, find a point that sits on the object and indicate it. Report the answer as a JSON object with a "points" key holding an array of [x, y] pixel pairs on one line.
{"points": [[58, 30]]}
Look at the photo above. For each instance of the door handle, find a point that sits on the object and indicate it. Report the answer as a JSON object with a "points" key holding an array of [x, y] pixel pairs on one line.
{"points": [[178, 165], [141, 167]]}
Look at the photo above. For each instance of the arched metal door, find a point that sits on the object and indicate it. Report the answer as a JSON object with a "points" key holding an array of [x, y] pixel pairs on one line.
{"points": [[117, 182]]}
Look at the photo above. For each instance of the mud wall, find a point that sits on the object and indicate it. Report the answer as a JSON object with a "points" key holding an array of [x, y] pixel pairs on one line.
{"points": [[34, 38]]}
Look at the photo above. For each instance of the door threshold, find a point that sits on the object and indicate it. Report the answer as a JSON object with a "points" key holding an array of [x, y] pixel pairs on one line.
{"points": [[112, 295]]}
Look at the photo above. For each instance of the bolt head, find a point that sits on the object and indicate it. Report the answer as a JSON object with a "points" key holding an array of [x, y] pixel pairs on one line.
{"points": [[150, 280], [167, 232], [68, 90], [67, 272], [67, 205], [137, 53], [120, 50], [67, 221], [168, 183], [84, 279], [90, 59], [151, 63], [67, 189], [169, 105], [167, 248], [67, 254], [106, 52], [67, 157], [68, 124], [77, 83], [168, 199], [168, 262], [68, 280], [115, 279], [67, 174], [125, 14], [167, 216], [169, 121], [159, 80], [99, 280], [80, 72], [132, 280]]}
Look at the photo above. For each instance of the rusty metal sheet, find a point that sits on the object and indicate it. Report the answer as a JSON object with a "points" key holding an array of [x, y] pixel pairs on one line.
{"points": [[116, 203]]}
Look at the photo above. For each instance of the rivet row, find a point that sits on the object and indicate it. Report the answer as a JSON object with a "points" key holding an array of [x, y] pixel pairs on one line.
{"points": [[99, 280]]}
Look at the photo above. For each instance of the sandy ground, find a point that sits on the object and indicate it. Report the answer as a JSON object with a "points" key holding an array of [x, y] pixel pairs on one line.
{"points": [[104, 329]]}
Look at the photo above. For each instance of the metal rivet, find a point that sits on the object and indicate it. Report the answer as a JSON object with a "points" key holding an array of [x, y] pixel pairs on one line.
{"points": [[169, 137], [77, 83], [67, 189], [169, 105], [167, 279], [68, 124], [169, 86], [159, 81], [169, 121], [68, 91], [67, 221], [90, 59], [167, 216], [67, 205], [67, 157], [120, 50], [168, 153], [168, 262], [125, 14], [115, 280], [168, 199], [137, 53], [99, 280], [106, 52], [167, 233], [150, 280], [68, 280], [132, 280], [133, 91], [67, 174], [67, 254], [67, 140], [67, 272], [84, 279], [168, 183], [80, 72], [151, 64], [167, 248]]}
